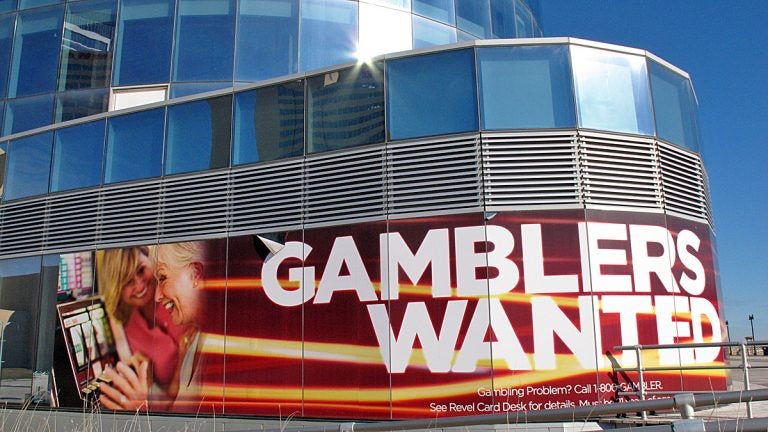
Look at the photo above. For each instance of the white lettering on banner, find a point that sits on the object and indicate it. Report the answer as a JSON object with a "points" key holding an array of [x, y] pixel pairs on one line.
{"points": [[621, 265]]}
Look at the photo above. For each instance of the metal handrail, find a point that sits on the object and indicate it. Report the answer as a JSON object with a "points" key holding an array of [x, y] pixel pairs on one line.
{"points": [[641, 392]]}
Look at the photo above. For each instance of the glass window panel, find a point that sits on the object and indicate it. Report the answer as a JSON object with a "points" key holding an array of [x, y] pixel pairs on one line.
{"points": [[86, 57], [76, 104], [28, 4], [35, 59], [186, 89], [20, 293], [674, 106], [474, 17], [431, 94], [611, 91], [503, 19], [29, 166], [441, 10], [143, 52], [267, 39], [428, 33], [7, 5], [27, 113], [205, 39], [526, 87], [345, 108], [383, 30], [524, 20], [328, 33], [77, 155], [399, 4], [134, 146], [464, 36], [6, 41], [269, 123], [198, 135], [3, 159]]}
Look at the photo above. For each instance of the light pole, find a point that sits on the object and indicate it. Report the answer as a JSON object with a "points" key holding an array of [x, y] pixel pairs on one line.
{"points": [[752, 326], [728, 335]]}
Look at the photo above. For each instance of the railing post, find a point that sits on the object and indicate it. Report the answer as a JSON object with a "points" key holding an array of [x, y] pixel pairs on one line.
{"points": [[641, 382], [745, 365]]}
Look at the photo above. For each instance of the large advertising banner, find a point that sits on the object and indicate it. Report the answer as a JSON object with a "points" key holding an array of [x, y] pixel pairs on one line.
{"points": [[440, 316]]}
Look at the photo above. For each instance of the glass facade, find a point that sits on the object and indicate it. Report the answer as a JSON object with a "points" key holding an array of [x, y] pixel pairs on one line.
{"points": [[75, 52], [505, 87]]}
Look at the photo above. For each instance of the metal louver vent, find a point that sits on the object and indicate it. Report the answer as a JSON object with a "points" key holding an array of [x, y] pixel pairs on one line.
{"points": [[530, 169], [432, 175], [344, 186], [619, 171], [23, 227], [264, 198], [194, 206], [682, 179], [129, 213], [72, 221]]}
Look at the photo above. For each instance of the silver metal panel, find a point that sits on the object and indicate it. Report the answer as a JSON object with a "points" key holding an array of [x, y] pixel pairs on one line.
{"points": [[434, 174], [267, 197], [683, 181], [23, 227], [194, 205], [129, 213], [344, 186], [72, 220]]}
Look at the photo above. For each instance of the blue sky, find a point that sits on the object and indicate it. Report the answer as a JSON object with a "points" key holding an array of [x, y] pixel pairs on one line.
{"points": [[724, 47]]}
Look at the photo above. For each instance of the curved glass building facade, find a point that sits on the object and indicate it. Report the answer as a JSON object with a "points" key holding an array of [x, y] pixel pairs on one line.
{"points": [[60, 61], [452, 230]]}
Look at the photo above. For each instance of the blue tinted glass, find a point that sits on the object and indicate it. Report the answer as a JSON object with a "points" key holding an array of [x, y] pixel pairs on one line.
{"points": [[143, 53], [36, 52], [134, 146], [524, 21], [6, 41], [503, 19], [441, 10], [428, 33], [198, 135], [185, 89], [205, 39], [267, 39], [28, 166], [269, 123], [328, 33], [525, 87], [674, 107], [76, 104], [86, 57], [474, 17], [27, 4], [27, 113], [431, 94], [345, 108], [7, 5], [77, 154], [611, 91], [3, 159]]}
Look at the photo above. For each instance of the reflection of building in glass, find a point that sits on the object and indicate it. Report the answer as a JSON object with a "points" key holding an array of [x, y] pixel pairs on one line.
{"points": [[332, 181]]}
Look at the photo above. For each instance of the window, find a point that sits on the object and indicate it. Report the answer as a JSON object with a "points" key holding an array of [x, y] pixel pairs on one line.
{"points": [[35, 61], [134, 146], [526, 87], [27, 113], [428, 33], [474, 17], [198, 135], [205, 39], [440, 10], [77, 155], [345, 108], [328, 33], [131, 97], [269, 123], [6, 42], [267, 39], [611, 91], [431, 94], [86, 57], [383, 30], [503, 19], [28, 166], [674, 107], [81, 103], [143, 46]]}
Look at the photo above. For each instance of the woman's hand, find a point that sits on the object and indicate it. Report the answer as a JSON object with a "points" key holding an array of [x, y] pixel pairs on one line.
{"points": [[127, 389]]}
